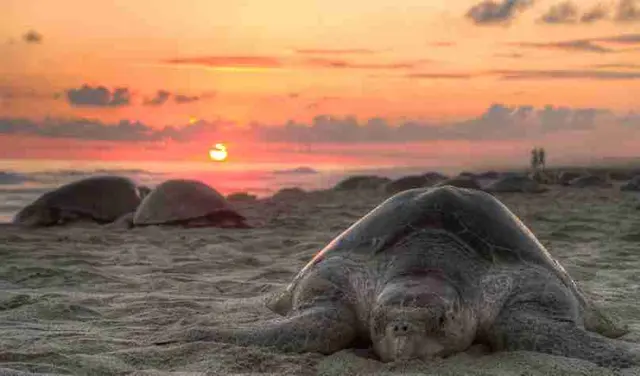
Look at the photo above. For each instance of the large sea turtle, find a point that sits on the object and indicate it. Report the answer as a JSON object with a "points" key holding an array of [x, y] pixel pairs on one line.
{"points": [[100, 199], [188, 203], [515, 183], [426, 274]]}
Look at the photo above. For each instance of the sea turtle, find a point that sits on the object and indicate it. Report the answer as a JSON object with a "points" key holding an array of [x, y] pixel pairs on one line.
{"points": [[361, 182], [621, 174], [426, 274], [289, 193], [632, 185], [242, 197], [489, 175], [100, 199], [460, 181], [515, 183], [435, 176], [589, 181], [407, 182], [565, 177], [187, 203]]}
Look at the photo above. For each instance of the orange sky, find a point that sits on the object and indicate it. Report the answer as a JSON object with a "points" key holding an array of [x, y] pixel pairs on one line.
{"points": [[267, 62]]}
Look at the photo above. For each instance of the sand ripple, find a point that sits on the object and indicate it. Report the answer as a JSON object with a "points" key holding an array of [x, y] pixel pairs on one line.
{"points": [[85, 301]]}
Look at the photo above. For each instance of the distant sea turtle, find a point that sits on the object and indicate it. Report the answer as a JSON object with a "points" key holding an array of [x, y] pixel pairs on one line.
{"points": [[515, 183], [426, 274], [589, 181], [101, 199], [621, 175], [632, 185], [289, 193], [187, 203], [488, 175], [361, 182], [407, 182], [461, 181], [242, 196], [435, 176]]}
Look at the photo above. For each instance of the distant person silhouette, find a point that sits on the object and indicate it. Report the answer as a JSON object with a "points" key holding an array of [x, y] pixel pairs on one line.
{"points": [[542, 157]]}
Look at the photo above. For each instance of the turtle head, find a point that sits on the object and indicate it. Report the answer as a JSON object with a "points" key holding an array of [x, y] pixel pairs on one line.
{"points": [[420, 317], [36, 215]]}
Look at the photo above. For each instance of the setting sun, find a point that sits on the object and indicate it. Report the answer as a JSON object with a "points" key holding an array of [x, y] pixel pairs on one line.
{"points": [[218, 153]]}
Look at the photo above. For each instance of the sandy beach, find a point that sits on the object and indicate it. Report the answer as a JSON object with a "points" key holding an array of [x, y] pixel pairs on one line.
{"points": [[86, 300]]}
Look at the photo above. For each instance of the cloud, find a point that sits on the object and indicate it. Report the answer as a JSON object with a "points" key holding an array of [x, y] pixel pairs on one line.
{"points": [[625, 39], [562, 13], [229, 61], [498, 122], [581, 45], [88, 129], [490, 12], [631, 120], [181, 98], [443, 76], [568, 13], [314, 59], [346, 51], [32, 37], [592, 45], [597, 13], [512, 55], [161, 97], [99, 96], [547, 74], [628, 11], [616, 66], [345, 64], [567, 74], [14, 92]]}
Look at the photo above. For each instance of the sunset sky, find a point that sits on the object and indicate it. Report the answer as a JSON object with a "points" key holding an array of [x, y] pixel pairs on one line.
{"points": [[331, 81]]}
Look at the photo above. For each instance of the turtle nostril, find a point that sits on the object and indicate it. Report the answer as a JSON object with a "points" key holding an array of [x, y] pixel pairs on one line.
{"points": [[404, 328]]}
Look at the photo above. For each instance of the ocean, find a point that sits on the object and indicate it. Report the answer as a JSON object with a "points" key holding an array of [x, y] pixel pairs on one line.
{"points": [[22, 181]]}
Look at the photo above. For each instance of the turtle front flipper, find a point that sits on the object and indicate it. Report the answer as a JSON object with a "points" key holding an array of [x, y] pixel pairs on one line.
{"points": [[323, 329], [527, 330]]}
